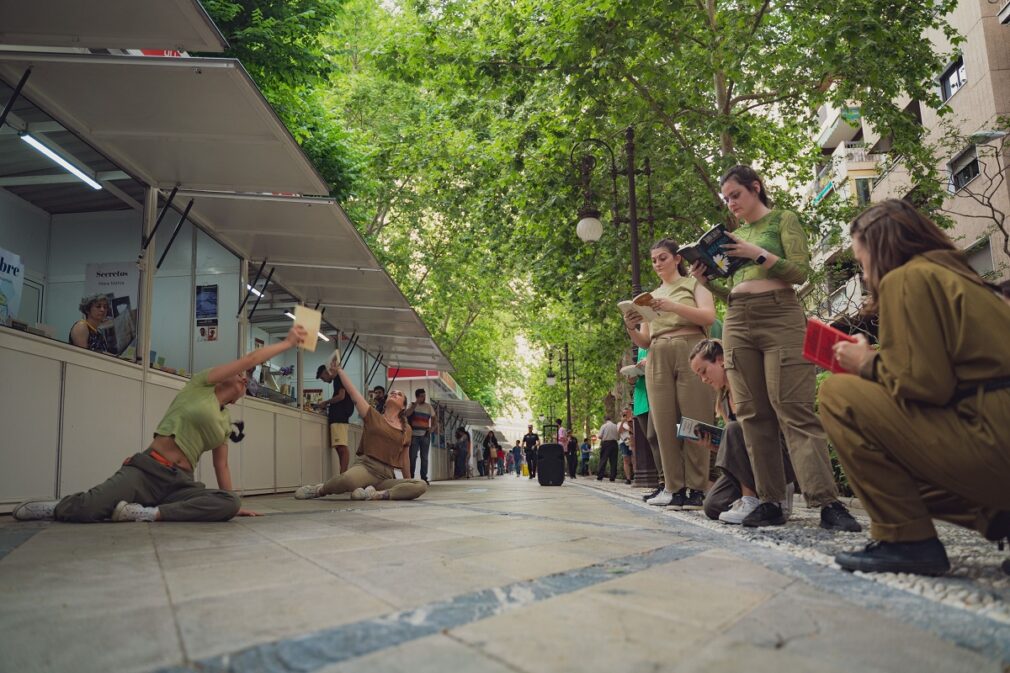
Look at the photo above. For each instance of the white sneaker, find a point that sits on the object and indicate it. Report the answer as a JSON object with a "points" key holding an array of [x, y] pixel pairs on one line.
{"points": [[739, 511], [308, 492], [366, 493], [132, 511], [787, 504], [663, 499], [35, 510]]}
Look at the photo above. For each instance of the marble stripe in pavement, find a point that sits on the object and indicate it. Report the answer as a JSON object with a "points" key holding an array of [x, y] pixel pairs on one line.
{"points": [[314, 651], [972, 631]]}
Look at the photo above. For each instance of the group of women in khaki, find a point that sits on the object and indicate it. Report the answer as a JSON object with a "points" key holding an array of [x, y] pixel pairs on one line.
{"points": [[920, 422]]}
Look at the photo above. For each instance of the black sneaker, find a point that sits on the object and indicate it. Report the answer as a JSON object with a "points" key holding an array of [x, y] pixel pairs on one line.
{"points": [[653, 494], [765, 514], [679, 498], [836, 517], [599, 477], [926, 557], [628, 482], [693, 500]]}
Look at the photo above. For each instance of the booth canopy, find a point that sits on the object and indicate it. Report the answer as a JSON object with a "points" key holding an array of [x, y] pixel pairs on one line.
{"points": [[181, 25], [196, 123], [470, 412]]}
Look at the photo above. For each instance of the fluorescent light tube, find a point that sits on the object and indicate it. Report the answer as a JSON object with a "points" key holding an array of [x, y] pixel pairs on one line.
{"points": [[289, 314], [323, 337], [253, 290], [60, 160]]}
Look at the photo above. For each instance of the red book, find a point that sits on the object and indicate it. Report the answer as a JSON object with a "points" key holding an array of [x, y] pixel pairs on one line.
{"points": [[819, 342]]}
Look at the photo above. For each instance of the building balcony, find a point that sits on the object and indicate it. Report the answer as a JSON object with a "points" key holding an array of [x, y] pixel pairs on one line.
{"points": [[843, 303], [838, 125], [849, 161]]}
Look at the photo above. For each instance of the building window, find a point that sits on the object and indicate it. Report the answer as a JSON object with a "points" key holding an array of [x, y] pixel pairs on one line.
{"points": [[863, 188], [980, 258], [963, 169], [953, 79]]}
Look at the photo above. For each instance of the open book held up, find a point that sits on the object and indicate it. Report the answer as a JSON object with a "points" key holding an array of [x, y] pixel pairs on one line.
{"points": [[640, 304], [693, 430], [709, 251]]}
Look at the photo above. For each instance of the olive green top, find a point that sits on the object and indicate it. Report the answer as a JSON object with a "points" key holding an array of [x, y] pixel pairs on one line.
{"points": [[779, 232], [680, 291], [196, 419], [941, 331]]}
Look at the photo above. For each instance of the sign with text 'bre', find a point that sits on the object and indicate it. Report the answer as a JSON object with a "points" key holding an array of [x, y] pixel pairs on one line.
{"points": [[12, 280], [119, 281]]}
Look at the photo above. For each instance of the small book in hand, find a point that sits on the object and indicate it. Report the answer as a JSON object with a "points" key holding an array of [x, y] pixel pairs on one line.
{"points": [[641, 305], [709, 251], [693, 430], [819, 342]]}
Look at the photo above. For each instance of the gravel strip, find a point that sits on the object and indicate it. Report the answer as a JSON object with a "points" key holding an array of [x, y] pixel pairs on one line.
{"points": [[975, 582]]}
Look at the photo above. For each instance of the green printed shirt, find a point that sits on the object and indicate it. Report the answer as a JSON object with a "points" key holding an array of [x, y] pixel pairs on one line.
{"points": [[779, 232]]}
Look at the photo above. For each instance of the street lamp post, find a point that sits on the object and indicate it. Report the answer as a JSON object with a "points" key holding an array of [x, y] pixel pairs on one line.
{"points": [[569, 362], [590, 229]]}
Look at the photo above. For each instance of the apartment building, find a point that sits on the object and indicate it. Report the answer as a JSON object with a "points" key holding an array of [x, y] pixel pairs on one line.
{"points": [[860, 166]]}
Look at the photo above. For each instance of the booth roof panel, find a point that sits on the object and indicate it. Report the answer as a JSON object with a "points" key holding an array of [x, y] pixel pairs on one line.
{"points": [[110, 24], [470, 412], [196, 122]]}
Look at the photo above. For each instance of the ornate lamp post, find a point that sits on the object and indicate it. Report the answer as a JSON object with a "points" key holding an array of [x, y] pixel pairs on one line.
{"points": [[569, 362], [590, 229]]}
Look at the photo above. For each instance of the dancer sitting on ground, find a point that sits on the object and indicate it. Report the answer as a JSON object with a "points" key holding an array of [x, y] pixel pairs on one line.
{"points": [[763, 338], [923, 431], [157, 485], [384, 454], [686, 309], [732, 496]]}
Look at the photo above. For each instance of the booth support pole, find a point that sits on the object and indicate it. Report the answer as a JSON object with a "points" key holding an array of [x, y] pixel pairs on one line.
{"points": [[243, 321], [147, 279], [299, 370]]}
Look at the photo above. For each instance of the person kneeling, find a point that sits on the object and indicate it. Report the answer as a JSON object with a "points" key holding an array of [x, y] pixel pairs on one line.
{"points": [[384, 450], [157, 484], [732, 496], [922, 431]]}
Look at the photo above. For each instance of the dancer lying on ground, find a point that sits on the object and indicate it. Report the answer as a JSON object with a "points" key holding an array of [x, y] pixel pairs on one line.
{"points": [[923, 431], [157, 485], [732, 497], [384, 454]]}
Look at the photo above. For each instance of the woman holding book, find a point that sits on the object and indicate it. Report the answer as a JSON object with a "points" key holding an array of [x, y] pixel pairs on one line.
{"points": [[685, 309], [384, 453], [763, 336], [923, 428]]}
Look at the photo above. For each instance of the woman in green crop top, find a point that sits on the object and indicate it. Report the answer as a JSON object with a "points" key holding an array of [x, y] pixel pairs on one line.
{"points": [[157, 484], [772, 384]]}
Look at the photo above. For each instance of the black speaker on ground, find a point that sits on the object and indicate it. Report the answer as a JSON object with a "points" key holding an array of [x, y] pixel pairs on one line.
{"points": [[551, 465]]}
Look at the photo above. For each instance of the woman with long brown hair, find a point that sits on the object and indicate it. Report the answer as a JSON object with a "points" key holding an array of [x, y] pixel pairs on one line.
{"points": [[923, 430], [773, 386], [685, 310]]}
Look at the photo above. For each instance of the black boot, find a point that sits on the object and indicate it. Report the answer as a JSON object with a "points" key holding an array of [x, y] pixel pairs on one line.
{"points": [[926, 557], [836, 517], [999, 532], [765, 514]]}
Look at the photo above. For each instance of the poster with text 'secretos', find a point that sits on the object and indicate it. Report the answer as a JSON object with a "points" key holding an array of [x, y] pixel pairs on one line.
{"points": [[120, 282], [12, 280]]}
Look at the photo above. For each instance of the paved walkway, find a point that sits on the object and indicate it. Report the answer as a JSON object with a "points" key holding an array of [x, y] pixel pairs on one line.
{"points": [[488, 576]]}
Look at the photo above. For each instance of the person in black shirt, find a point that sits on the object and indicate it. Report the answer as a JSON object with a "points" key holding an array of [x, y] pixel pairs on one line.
{"points": [[338, 411], [532, 442], [573, 454]]}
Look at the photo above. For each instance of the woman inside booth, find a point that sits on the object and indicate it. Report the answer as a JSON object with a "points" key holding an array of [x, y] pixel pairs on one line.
{"points": [[157, 484], [384, 453], [84, 333]]}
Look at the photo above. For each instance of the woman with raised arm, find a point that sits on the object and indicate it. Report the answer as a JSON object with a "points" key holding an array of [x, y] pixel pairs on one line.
{"points": [[157, 484], [384, 454], [685, 310], [923, 429], [773, 386]]}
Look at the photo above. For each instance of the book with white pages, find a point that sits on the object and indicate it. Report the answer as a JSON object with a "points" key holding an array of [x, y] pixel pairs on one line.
{"points": [[632, 370], [641, 305]]}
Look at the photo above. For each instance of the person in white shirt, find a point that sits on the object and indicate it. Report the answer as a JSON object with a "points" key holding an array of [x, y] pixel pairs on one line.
{"points": [[608, 435]]}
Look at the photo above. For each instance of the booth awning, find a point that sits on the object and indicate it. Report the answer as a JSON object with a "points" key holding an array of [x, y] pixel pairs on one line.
{"points": [[181, 25], [198, 123], [470, 412]]}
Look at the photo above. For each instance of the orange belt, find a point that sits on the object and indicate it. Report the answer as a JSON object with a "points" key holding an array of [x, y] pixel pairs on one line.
{"points": [[157, 457]]}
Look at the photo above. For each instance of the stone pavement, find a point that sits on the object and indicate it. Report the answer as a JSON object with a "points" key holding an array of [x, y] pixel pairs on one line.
{"points": [[478, 575]]}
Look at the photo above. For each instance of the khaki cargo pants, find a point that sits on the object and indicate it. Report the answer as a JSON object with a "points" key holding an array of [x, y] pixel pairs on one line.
{"points": [[910, 463], [371, 472], [675, 391], [773, 387]]}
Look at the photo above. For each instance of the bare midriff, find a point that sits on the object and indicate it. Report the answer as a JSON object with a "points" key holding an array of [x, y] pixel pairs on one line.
{"points": [[762, 285], [171, 452]]}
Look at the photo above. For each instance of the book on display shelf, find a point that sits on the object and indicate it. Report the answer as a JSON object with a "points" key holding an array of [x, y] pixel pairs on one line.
{"points": [[709, 251], [640, 305], [693, 430]]}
